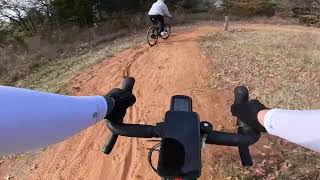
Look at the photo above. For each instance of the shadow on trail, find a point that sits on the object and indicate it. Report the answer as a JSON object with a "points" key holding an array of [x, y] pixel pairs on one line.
{"points": [[177, 41]]}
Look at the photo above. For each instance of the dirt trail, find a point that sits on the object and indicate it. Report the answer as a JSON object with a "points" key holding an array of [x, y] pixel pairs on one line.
{"points": [[175, 66]]}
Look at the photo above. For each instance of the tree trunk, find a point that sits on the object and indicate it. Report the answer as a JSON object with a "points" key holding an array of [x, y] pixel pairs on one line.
{"points": [[100, 16], [226, 17], [226, 23], [32, 25], [89, 18], [24, 24]]}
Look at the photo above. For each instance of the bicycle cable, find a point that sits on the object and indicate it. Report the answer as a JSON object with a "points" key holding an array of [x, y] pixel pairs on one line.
{"points": [[154, 148]]}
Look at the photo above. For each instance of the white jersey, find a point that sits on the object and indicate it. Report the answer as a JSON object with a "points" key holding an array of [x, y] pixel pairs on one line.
{"points": [[159, 8], [300, 127], [32, 119]]}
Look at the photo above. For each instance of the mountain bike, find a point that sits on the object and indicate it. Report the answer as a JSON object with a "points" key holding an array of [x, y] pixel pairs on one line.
{"points": [[183, 136], [154, 33]]}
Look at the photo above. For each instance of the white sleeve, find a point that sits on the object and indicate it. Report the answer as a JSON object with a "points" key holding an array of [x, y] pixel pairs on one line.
{"points": [[300, 127], [32, 119], [166, 11]]}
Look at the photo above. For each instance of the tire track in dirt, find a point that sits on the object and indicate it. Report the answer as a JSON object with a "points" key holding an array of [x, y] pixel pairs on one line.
{"points": [[126, 71], [127, 163]]}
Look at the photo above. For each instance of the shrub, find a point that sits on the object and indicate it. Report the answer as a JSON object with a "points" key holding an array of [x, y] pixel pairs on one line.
{"points": [[258, 7], [310, 20]]}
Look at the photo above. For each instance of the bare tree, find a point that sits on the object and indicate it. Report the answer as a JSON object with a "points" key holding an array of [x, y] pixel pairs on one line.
{"points": [[45, 7], [16, 11]]}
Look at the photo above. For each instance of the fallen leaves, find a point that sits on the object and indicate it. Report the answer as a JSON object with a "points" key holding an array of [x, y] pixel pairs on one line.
{"points": [[276, 65], [34, 167], [281, 68], [8, 177]]}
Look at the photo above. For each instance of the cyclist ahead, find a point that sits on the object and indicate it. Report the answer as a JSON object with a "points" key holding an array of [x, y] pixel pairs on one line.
{"points": [[157, 12]]}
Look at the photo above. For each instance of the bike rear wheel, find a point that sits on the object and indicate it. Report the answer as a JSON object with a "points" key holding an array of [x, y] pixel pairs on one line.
{"points": [[167, 28], [152, 35]]}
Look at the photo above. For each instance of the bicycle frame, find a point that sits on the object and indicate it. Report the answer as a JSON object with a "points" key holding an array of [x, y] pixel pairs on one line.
{"points": [[157, 27]]}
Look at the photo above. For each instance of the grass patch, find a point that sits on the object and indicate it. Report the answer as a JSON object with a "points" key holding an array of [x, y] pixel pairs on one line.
{"points": [[281, 68], [288, 163], [53, 76]]}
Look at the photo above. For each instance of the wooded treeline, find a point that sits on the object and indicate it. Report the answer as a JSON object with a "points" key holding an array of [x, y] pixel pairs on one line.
{"points": [[32, 16]]}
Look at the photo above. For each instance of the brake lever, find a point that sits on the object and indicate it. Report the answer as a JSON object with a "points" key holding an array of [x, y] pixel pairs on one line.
{"points": [[127, 85], [242, 96], [110, 143]]}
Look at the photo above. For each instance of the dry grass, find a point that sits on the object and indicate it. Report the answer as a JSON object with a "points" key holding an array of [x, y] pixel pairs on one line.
{"points": [[35, 61], [53, 76], [22, 55], [19, 60], [290, 162], [280, 65]]}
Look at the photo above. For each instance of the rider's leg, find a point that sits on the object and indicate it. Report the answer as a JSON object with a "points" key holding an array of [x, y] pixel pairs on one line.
{"points": [[162, 30], [153, 19], [161, 19]]}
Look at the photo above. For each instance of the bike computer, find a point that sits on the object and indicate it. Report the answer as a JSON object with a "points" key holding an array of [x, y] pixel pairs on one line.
{"points": [[181, 103], [180, 152]]}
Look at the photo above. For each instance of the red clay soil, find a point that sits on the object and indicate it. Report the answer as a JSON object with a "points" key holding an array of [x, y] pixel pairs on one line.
{"points": [[174, 66]]}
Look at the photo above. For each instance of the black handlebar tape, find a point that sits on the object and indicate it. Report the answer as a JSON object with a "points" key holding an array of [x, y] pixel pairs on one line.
{"points": [[110, 143], [242, 96], [245, 156], [126, 85], [135, 130], [231, 139]]}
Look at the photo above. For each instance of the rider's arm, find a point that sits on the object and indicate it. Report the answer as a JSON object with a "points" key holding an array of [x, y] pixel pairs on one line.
{"points": [[32, 119], [166, 11], [300, 127]]}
